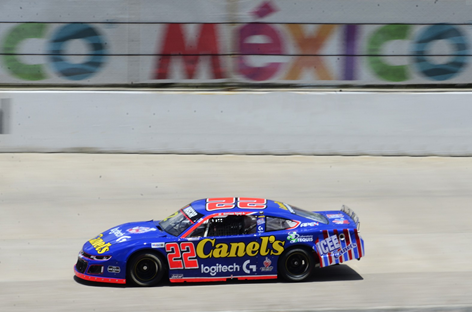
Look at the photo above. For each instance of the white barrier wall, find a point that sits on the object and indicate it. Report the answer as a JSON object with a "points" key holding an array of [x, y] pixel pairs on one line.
{"points": [[290, 42], [334, 123]]}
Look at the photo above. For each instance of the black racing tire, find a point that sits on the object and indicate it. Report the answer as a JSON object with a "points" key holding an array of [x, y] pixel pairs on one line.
{"points": [[146, 269], [295, 265]]}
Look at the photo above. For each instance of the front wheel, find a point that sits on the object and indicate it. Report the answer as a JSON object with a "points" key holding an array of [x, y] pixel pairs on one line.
{"points": [[295, 265], [146, 269]]}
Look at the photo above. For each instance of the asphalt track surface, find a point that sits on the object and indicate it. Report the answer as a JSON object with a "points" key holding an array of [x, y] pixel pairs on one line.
{"points": [[416, 219]]}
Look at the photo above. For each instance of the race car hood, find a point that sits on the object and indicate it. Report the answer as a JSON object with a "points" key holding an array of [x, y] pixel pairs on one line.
{"points": [[128, 232], [133, 231]]}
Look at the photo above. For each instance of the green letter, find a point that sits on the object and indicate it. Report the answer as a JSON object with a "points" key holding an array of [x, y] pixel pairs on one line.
{"points": [[10, 44], [374, 46]]}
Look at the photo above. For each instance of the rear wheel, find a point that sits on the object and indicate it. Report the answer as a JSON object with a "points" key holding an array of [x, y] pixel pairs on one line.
{"points": [[146, 269], [295, 265]]}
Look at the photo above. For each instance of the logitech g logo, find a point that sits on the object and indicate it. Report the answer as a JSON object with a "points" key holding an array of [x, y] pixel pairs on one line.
{"points": [[252, 267]]}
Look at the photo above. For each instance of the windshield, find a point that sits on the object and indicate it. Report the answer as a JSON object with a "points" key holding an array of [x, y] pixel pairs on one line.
{"points": [[309, 215], [179, 221]]}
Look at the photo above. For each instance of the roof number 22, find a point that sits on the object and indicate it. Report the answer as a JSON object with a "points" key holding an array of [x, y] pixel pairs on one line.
{"points": [[232, 202]]}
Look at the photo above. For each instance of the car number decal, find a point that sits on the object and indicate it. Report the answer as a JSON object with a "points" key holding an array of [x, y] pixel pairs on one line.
{"points": [[176, 253]]}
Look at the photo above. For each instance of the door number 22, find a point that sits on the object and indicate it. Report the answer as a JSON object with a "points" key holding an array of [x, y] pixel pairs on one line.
{"points": [[181, 256]]}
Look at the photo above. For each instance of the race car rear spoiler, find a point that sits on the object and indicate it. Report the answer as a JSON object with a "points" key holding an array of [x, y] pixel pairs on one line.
{"points": [[351, 214]]}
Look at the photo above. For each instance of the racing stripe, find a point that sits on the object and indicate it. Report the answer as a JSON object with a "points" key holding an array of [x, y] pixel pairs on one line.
{"points": [[182, 212], [220, 279], [322, 261], [330, 257], [197, 279], [257, 277], [347, 236], [340, 258], [360, 248]]}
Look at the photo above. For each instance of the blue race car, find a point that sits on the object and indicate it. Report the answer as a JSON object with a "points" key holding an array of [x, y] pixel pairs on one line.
{"points": [[216, 239]]}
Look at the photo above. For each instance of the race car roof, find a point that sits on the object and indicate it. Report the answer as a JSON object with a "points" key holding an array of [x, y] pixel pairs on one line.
{"points": [[208, 206]]}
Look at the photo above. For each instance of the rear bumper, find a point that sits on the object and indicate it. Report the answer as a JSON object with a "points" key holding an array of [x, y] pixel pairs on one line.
{"points": [[101, 279]]}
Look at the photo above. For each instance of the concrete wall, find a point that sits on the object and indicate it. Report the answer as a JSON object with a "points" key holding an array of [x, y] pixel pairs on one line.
{"points": [[318, 123]]}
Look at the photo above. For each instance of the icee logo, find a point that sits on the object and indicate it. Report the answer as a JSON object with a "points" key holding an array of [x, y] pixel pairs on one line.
{"points": [[328, 245]]}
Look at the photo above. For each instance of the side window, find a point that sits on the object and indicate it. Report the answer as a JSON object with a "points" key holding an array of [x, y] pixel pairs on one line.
{"points": [[277, 224], [200, 231], [226, 226], [250, 225]]}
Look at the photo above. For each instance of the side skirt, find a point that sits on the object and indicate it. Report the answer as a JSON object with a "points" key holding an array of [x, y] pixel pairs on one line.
{"points": [[220, 279]]}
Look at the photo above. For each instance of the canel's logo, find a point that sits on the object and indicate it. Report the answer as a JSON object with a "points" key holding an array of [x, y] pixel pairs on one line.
{"points": [[210, 248], [99, 244]]}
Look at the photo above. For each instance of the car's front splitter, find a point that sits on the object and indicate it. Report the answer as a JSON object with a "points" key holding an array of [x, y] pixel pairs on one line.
{"points": [[99, 278]]}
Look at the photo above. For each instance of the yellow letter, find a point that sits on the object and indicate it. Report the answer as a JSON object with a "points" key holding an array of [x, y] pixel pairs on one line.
{"points": [[201, 247], [279, 248], [221, 251], [103, 248], [252, 249], [265, 242], [239, 247], [93, 240]]}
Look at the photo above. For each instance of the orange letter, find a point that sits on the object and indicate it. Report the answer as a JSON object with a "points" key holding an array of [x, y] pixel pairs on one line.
{"points": [[309, 47]]}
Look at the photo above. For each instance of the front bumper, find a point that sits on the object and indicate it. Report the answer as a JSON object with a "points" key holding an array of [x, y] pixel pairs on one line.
{"points": [[102, 279], [104, 271]]}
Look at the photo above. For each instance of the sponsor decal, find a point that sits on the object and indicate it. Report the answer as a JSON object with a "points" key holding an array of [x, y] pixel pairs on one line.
{"points": [[123, 239], [157, 245], [190, 212], [267, 265], [141, 229], [171, 216], [340, 252], [340, 221], [247, 267], [281, 205], [232, 202], [210, 248], [99, 245], [113, 269], [308, 224], [117, 232], [284, 206], [328, 245], [260, 224], [218, 268], [180, 256], [335, 216], [294, 237], [175, 276]]}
